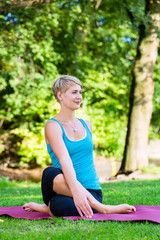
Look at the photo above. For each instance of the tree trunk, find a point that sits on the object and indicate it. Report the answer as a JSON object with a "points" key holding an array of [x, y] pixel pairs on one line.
{"points": [[135, 152]]}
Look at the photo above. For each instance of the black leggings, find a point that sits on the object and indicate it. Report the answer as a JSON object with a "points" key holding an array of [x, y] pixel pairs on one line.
{"points": [[61, 205]]}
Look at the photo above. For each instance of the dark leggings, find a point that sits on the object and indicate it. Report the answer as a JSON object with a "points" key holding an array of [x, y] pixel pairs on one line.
{"points": [[61, 205]]}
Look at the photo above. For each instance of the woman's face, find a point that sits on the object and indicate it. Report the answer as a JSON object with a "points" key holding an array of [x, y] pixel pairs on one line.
{"points": [[72, 98]]}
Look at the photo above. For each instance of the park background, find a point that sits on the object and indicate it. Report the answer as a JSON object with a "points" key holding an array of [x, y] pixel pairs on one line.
{"points": [[97, 42], [113, 48]]}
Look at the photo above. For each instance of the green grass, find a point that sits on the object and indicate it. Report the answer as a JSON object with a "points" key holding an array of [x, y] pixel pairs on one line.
{"points": [[152, 169], [132, 192]]}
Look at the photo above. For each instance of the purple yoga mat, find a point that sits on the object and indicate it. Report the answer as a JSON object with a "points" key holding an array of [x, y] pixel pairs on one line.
{"points": [[143, 212]]}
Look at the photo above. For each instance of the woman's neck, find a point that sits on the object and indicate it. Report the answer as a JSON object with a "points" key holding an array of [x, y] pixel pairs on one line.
{"points": [[67, 116]]}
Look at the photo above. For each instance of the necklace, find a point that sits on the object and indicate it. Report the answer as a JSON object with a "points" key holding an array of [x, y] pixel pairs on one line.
{"points": [[74, 129]]}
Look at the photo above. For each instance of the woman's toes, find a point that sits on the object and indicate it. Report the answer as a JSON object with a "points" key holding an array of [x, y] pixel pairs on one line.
{"points": [[25, 206], [129, 208], [133, 209], [28, 207]]}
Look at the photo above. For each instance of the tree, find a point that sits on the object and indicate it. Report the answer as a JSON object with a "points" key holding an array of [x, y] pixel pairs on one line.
{"points": [[135, 152]]}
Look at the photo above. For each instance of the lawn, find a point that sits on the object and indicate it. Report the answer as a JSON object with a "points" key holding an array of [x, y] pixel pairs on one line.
{"points": [[132, 192]]}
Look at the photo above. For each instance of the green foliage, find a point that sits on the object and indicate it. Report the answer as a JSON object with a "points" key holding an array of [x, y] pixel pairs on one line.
{"points": [[155, 126], [32, 148], [39, 43], [1, 146], [108, 114], [27, 72]]}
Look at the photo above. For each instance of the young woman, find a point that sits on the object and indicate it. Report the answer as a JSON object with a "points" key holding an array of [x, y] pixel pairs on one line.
{"points": [[71, 187]]}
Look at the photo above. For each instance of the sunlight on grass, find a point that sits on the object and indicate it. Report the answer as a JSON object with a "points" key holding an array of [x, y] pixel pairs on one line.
{"points": [[152, 169]]}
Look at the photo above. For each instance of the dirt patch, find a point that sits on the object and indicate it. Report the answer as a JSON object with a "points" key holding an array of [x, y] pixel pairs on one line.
{"points": [[104, 168], [35, 175], [137, 175], [22, 174]]}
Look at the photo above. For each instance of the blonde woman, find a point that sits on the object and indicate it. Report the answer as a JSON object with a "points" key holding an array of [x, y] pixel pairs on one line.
{"points": [[71, 187]]}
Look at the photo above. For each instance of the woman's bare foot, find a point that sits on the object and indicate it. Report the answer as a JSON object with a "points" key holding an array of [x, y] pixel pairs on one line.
{"points": [[36, 207], [117, 209]]}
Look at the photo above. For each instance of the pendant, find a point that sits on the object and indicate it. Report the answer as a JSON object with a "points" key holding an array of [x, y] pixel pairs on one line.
{"points": [[74, 130]]}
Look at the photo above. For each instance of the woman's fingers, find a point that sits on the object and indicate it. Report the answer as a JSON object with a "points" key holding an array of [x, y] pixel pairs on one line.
{"points": [[85, 210], [79, 211], [81, 200]]}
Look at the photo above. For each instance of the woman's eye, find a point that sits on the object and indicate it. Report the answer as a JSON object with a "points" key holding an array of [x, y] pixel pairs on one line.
{"points": [[76, 92]]}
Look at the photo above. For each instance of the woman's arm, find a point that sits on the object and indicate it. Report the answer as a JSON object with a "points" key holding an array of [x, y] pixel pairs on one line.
{"points": [[81, 196]]}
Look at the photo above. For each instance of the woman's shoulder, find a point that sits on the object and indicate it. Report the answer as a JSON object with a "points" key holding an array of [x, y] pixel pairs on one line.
{"points": [[53, 124], [89, 124], [51, 127]]}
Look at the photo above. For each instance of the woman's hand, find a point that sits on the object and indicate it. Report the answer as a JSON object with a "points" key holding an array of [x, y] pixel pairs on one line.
{"points": [[81, 199]]}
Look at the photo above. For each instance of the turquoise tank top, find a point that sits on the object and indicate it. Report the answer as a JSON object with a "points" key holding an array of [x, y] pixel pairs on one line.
{"points": [[81, 154]]}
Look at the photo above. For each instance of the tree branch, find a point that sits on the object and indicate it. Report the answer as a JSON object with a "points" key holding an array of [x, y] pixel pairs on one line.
{"points": [[13, 4], [98, 2]]}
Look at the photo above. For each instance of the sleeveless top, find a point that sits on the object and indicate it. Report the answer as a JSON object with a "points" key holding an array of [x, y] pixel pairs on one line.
{"points": [[81, 154]]}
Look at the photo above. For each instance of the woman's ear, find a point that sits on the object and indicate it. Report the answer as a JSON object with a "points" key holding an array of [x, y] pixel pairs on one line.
{"points": [[59, 95]]}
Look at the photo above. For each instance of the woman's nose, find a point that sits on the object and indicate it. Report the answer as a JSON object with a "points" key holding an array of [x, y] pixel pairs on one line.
{"points": [[79, 95]]}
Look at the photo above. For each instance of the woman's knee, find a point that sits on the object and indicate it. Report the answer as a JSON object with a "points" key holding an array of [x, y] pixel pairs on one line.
{"points": [[51, 173], [46, 171]]}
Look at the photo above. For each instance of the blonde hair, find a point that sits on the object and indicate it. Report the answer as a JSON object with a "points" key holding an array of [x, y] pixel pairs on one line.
{"points": [[63, 83]]}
